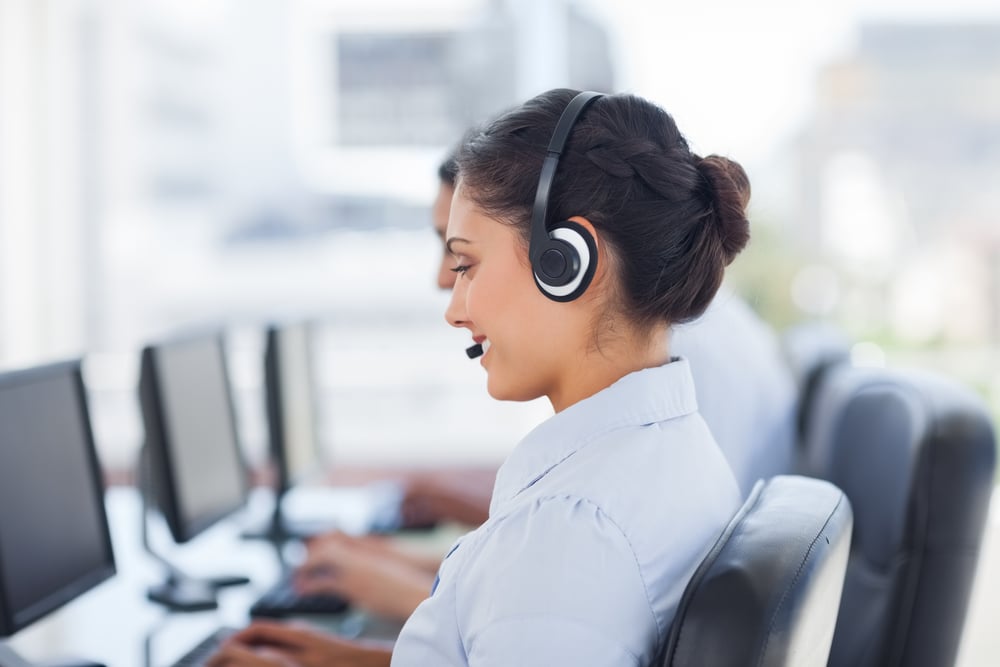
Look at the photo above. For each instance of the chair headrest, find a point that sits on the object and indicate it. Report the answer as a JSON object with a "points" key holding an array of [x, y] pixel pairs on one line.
{"points": [[768, 591], [904, 426]]}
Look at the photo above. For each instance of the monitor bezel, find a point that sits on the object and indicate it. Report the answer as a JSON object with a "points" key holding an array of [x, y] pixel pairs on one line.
{"points": [[162, 459], [12, 621]]}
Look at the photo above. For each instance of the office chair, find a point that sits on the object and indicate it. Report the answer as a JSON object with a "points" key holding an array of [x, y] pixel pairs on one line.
{"points": [[915, 454], [767, 593], [812, 350]]}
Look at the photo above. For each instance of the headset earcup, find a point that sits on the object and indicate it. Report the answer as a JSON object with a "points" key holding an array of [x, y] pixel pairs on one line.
{"points": [[572, 239]]}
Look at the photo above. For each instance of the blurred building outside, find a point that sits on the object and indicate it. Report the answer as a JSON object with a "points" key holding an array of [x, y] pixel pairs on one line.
{"points": [[172, 165], [227, 164], [899, 213]]}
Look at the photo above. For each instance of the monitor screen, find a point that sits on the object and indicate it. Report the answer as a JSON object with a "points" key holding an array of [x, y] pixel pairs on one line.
{"points": [[291, 402], [54, 539], [187, 407]]}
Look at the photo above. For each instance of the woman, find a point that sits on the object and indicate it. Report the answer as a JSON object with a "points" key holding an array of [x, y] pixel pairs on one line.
{"points": [[573, 258]]}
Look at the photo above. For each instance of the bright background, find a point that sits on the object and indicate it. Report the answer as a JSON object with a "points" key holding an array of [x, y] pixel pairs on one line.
{"points": [[168, 165], [171, 165]]}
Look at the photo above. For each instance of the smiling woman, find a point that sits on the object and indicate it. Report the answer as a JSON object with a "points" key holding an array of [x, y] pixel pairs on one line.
{"points": [[650, 227], [571, 567], [663, 224], [530, 339]]}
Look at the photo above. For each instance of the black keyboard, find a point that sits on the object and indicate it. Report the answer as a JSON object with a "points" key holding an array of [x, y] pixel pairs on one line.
{"points": [[283, 600], [197, 656]]}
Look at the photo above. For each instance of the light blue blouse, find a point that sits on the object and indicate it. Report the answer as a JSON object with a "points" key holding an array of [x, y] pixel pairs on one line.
{"points": [[598, 519]]}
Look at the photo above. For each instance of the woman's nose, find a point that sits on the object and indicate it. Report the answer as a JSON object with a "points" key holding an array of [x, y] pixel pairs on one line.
{"points": [[455, 312]]}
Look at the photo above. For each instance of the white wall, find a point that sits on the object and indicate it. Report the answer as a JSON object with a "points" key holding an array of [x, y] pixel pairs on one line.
{"points": [[43, 243]]}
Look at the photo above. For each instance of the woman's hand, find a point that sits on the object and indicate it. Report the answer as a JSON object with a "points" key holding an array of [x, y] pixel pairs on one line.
{"points": [[281, 645], [368, 572]]}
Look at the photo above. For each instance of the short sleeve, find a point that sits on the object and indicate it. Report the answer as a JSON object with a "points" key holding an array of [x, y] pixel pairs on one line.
{"points": [[556, 582]]}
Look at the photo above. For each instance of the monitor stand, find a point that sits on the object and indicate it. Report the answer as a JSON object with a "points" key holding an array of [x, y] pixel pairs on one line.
{"points": [[179, 594], [179, 591], [272, 529], [10, 658]]}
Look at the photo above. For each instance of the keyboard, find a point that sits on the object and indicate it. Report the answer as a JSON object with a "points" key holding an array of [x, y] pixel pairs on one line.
{"points": [[204, 649], [283, 600]]}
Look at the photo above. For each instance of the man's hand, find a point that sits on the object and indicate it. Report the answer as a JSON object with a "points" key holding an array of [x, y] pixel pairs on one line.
{"points": [[367, 571], [447, 496]]}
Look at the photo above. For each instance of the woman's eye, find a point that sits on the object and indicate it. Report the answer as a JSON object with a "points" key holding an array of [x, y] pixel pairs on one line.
{"points": [[461, 269]]}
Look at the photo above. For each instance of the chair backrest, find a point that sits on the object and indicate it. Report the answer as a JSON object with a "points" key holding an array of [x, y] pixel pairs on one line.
{"points": [[812, 350], [915, 455], [767, 593]]}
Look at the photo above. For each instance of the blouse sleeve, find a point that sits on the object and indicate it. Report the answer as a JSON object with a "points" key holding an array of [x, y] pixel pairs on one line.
{"points": [[556, 583]]}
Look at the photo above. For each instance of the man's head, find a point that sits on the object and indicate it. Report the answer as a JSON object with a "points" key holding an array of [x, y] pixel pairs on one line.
{"points": [[447, 173]]}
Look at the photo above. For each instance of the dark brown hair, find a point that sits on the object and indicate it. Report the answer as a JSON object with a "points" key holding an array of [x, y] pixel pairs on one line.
{"points": [[448, 169], [672, 220]]}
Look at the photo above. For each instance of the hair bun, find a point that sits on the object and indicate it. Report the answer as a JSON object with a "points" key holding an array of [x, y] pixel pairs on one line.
{"points": [[730, 192]]}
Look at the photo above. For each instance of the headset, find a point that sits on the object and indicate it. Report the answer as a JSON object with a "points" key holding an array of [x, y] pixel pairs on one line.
{"points": [[563, 258]]}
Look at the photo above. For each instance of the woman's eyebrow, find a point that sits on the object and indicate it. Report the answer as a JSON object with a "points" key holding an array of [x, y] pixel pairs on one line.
{"points": [[455, 239]]}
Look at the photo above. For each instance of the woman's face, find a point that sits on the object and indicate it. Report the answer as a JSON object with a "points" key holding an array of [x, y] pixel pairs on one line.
{"points": [[530, 338]]}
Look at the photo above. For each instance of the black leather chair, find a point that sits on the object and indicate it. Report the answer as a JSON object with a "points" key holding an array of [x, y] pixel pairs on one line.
{"points": [[767, 593], [915, 455]]}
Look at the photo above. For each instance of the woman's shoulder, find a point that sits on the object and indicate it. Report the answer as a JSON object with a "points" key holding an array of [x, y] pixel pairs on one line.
{"points": [[677, 458], [640, 482], [666, 477]]}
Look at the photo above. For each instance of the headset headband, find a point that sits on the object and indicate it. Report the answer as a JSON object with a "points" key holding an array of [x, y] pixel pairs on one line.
{"points": [[557, 143]]}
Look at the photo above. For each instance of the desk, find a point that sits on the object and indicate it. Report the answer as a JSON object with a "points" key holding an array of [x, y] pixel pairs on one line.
{"points": [[112, 622]]}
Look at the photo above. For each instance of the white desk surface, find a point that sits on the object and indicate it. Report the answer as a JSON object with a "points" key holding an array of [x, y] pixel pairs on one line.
{"points": [[113, 622]]}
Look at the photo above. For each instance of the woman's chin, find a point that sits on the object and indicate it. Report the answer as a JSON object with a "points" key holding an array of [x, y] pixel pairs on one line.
{"points": [[509, 391], [496, 390]]}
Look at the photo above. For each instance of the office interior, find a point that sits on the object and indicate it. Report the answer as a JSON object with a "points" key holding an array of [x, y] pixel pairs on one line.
{"points": [[220, 171]]}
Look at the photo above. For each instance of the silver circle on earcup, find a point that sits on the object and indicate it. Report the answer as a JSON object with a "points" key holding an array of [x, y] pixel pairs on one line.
{"points": [[573, 238]]}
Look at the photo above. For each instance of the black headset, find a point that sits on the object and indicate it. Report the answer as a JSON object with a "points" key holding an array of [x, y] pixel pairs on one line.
{"points": [[563, 257]]}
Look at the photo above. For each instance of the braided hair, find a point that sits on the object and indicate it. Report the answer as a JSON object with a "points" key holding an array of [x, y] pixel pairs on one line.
{"points": [[672, 220]]}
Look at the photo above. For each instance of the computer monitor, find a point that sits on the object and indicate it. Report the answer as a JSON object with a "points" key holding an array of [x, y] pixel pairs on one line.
{"points": [[292, 421], [292, 409], [54, 539], [296, 449], [192, 467], [187, 411]]}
